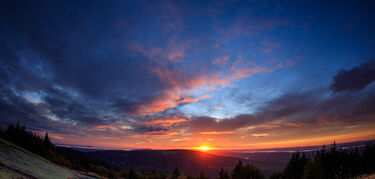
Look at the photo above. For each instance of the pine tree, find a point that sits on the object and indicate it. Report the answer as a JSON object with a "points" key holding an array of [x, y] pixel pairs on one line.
{"points": [[248, 171], [132, 174], [203, 176], [176, 173], [223, 174], [46, 141]]}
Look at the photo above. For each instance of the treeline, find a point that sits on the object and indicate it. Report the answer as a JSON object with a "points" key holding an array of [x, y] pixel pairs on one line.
{"points": [[331, 163], [43, 147]]}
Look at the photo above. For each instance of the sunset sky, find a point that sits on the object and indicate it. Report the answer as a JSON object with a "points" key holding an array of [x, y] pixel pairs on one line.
{"points": [[185, 74]]}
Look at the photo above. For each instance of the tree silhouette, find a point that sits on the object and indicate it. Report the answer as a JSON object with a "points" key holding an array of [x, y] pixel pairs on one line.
{"points": [[223, 174], [176, 173], [46, 141], [203, 176], [331, 163], [295, 167], [248, 171]]}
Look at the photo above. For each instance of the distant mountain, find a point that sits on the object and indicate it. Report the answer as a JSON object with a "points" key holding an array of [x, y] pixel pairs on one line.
{"points": [[188, 161]]}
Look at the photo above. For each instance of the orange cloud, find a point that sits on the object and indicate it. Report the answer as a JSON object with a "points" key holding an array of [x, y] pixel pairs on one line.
{"points": [[216, 132], [259, 135], [168, 102], [218, 107], [266, 126], [180, 139], [112, 127], [104, 127], [330, 120], [155, 132], [291, 124], [165, 123]]}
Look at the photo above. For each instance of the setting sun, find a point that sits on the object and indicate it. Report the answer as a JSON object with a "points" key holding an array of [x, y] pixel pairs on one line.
{"points": [[204, 148]]}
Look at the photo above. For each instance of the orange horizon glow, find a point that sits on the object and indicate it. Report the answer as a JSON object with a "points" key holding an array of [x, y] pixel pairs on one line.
{"points": [[212, 142], [204, 148], [283, 144]]}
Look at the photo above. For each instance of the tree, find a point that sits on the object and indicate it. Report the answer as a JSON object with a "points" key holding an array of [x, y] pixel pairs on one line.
{"points": [[132, 174], [295, 166], [312, 170], [332, 163], [237, 171], [46, 141], [223, 174], [176, 173], [276, 176], [203, 176], [248, 171]]}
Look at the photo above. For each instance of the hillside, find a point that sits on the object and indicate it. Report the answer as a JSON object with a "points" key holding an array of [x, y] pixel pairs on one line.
{"points": [[16, 162]]}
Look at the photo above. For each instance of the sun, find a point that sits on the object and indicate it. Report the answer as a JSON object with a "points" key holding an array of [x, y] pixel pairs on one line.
{"points": [[204, 148]]}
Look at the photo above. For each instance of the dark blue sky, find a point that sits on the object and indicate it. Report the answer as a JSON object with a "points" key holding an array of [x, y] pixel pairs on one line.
{"points": [[180, 74]]}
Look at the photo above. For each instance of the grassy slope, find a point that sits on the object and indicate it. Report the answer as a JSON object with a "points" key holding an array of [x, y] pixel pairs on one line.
{"points": [[16, 162]]}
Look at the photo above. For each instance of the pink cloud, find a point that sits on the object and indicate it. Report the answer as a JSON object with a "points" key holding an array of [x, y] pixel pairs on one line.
{"points": [[291, 124], [179, 85], [220, 60], [216, 132], [255, 25], [269, 46], [266, 126], [165, 122], [174, 51]]}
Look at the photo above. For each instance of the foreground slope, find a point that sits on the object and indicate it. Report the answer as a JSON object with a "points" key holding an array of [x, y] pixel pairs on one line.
{"points": [[16, 162]]}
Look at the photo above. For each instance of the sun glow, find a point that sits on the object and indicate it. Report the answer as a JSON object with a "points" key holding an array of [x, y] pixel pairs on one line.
{"points": [[204, 148]]}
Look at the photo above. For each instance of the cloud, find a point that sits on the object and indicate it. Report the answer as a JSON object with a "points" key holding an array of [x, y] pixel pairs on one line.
{"points": [[150, 130], [218, 107], [267, 126], [179, 83], [259, 135], [291, 124], [216, 132], [165, 122], [354, 79], [248, 25], [220, 60], [303, 110]]}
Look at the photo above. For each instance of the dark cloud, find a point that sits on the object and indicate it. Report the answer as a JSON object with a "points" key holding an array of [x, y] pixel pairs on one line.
{"points": [[301, 109], [143, 129], [72, 56], [354, 79], [14, 108]]}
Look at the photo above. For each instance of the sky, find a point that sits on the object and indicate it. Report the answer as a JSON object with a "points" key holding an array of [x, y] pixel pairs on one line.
{"points": [[184, 74]]}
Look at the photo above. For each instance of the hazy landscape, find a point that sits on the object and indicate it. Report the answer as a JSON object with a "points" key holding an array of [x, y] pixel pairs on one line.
{"points": [[187, 89]]}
